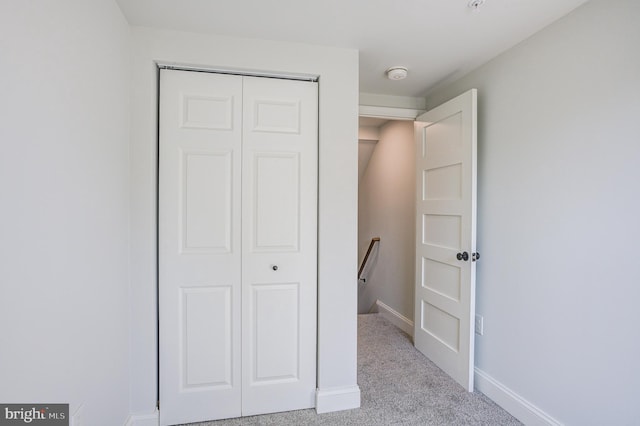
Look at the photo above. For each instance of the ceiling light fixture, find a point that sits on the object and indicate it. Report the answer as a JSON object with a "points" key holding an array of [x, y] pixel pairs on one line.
{"points": [[396, 73]]}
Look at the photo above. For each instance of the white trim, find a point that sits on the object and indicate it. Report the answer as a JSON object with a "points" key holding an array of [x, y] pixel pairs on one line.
{"points": [[389, 112], [152, 419], [410, 102], [515, 404], [395, 317], [337, 399]]}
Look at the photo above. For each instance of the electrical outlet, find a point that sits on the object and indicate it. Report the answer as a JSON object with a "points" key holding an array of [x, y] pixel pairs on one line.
{"points": [[479, 325]]}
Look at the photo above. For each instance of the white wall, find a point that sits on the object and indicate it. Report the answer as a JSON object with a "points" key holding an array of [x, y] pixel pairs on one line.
{"points": [[64, 186], [559, 208], [338, 92], [386, 204]]}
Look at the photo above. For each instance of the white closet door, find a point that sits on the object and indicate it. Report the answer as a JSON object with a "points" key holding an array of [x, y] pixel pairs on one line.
{"points": [[199, 246], [279, 245], [237, 245]]}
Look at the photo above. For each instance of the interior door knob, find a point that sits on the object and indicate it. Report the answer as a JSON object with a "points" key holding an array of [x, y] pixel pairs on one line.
{"points": [[475, 256], [274, 267], [463, 256]]}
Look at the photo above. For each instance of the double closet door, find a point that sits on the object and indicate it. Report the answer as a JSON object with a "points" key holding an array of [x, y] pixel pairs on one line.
{"points": [[237, 245]]}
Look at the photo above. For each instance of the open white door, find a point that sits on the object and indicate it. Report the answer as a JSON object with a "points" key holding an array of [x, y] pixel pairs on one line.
{"points": [[446, 236]]}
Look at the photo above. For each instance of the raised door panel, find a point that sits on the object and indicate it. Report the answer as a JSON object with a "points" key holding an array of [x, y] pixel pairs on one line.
{"points": [[200, 111], [206, 188], [206, 340], [276, 115], [276, 204], [277, 333]]}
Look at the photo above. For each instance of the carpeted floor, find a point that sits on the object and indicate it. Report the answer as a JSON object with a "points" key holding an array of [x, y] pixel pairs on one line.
{"points": [[398, 386]]}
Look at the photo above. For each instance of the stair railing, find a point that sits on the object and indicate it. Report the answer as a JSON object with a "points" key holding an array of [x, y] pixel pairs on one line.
{"points": [[373, 242]]}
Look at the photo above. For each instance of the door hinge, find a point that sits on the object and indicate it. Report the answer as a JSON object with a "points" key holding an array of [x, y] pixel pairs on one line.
{"points": [[158, 405]]}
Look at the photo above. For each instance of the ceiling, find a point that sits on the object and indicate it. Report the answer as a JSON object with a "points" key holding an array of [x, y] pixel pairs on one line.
{"points": [[437, 40]]}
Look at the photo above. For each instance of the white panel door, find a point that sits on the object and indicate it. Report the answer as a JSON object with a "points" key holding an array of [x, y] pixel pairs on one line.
{"points": [[279, 245], [446, 236], [199, 246], [237, 243]]}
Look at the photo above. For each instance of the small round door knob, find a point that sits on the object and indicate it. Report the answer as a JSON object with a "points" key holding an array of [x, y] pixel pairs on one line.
{"points": [[274, 267], [462, 256]]}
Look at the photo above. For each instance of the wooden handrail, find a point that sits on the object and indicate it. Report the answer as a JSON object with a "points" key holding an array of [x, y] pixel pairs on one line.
{"points": [[374, 240]]}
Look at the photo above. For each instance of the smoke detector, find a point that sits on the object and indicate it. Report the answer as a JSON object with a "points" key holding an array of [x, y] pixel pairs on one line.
{"points": [[475, 4], [396, 73]]}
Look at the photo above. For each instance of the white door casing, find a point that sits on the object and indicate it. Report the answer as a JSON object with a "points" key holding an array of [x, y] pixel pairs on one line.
{"points": [[446, 236], [237, 191]]}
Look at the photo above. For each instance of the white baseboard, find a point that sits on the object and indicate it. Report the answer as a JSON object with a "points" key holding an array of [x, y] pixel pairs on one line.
{"points": [[395, 318], [516, 405], [327, 400], [151, 419], [337, 399]]}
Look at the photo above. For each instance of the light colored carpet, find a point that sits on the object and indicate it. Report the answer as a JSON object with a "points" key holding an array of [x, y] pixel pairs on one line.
{"points": [[398, 386]]}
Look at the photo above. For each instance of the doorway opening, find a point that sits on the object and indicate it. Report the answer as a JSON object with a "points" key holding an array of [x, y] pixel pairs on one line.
{"points": [[386, 209], [422, 197]]}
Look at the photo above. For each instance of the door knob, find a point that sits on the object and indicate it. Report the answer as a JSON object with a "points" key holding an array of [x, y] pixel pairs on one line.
{"points": [[463, 256], [475, 256], [274, 267]]}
